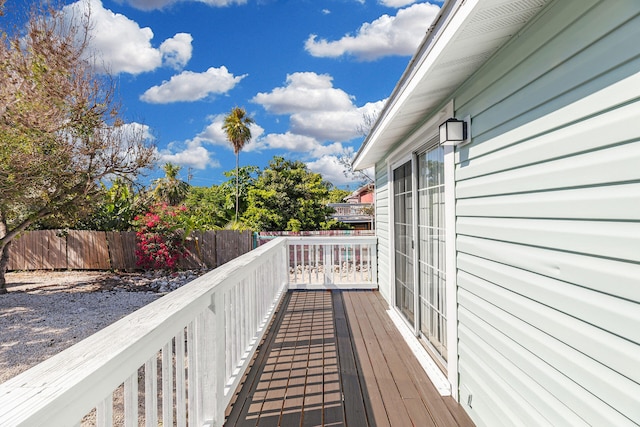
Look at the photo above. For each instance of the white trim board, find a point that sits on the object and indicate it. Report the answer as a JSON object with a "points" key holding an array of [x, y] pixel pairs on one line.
{"points": [[437, 377]]}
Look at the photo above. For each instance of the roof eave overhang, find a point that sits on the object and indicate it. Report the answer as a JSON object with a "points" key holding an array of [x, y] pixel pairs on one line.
{"points": [[465, 34]]}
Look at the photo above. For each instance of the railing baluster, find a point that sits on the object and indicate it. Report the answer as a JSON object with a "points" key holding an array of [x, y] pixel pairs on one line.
{"points": [[209, 351], [191, 373], [167, 384], [228, 308], [104, 412], [131, 401], [151, 392], [316, 251], [295, 263], [181, 382], [218, 336]]}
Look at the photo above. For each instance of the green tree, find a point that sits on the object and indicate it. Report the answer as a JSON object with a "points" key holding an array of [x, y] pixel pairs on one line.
{"points": [[208, 207], [170, 189], [337, 195], [287, 196], [115, 211], [61, 133], [236, 127]]}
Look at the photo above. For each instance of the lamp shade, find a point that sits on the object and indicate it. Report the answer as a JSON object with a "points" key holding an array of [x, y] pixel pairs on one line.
{"points": [[453, 131]]}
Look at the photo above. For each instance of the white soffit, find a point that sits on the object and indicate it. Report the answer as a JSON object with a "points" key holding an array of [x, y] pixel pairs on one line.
{"points": [[468, 34]]}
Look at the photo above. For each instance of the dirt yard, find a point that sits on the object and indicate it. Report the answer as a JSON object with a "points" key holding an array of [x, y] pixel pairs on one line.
{"points": [[45, 312]]}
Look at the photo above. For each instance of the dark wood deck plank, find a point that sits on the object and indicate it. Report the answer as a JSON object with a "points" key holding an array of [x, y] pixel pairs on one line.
{"points": [[336, 359], [434, 402], [355, 412], [244, 411], [394, 405], [313, 397], [333, 409], [371, 390]]}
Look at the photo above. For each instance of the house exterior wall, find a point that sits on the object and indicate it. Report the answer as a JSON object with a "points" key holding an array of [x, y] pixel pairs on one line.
{"points": [[382, 205], [548, 223], [547, 205], [366, 197]]}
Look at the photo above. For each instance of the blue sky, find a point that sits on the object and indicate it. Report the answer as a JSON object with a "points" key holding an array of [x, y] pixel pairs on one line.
{"points": [[306, 71]]}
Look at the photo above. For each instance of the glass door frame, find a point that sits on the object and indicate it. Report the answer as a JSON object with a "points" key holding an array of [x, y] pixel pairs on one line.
{"points": [[415, 144]]}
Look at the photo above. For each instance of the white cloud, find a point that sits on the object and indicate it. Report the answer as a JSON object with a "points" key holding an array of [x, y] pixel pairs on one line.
{"points": [[135, 129], [316, 108], [194, 153], [295, 143], [332, 171], [190, 86], [214, 134], [396, 3], [388, 35], [337, 125], [177, 50], [191, 154], [122, 46], [160, 4], [304, 92]]}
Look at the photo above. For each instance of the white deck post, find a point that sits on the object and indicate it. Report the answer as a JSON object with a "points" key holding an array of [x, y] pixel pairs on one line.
{"points": [[218, 352], [205, 369]]}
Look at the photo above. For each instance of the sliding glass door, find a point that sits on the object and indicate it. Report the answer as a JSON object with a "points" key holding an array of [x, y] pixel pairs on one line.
{"points": [[431, 250], [418, 186], [403, 240]]}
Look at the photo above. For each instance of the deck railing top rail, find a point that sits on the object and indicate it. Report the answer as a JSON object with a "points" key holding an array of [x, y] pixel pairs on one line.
{"points": [[189, 348]]}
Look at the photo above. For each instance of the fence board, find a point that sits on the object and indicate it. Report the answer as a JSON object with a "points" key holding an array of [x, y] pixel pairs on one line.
{"points": [[57, 250], [16, 255], [99, 250], [229, 243], [122, 249], [87, 250], [38, 250], [195, 257]]}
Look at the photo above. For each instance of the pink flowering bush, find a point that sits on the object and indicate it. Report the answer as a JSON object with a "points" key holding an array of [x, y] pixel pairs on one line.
{"points": [[160, 243]]}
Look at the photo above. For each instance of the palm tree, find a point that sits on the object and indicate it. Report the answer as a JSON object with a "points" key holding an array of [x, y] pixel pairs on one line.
{"points": [[170, 189], [236, 126]]}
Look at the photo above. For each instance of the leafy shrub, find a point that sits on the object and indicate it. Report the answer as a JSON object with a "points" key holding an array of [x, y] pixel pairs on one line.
{"points": [[160, 240]]}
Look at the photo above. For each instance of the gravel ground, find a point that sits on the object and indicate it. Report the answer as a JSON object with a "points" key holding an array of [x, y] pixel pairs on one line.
{"points": [[46, 312]]}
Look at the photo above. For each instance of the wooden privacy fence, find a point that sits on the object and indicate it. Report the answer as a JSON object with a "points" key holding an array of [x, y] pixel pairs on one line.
{"points": [[114, 250]]}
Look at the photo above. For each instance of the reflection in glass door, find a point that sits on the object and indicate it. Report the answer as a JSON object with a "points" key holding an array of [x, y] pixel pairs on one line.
{"points": [[403, 234], [431, 256]]}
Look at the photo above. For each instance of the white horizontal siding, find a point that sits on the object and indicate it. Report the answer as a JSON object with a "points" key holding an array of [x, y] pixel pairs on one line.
{"points": [[611, 165], [548, 223], [382, 231], [612, 202], [500, 328], [619, 240], [603, 275]]}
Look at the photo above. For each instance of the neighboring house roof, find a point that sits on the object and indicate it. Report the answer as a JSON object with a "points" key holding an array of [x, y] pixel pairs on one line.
{"points": [[464, 35], [358, 193]]}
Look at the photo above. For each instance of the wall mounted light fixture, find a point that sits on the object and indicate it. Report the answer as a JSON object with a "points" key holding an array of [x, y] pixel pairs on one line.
{"points": [[454, 131]]}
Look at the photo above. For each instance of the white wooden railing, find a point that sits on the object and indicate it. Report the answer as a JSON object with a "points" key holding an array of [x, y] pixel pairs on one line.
{"points": [[178, 360], [332, 262]]}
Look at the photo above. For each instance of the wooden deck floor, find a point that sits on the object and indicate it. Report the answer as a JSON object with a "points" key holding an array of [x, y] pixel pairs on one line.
{"points": [[336, 359]]}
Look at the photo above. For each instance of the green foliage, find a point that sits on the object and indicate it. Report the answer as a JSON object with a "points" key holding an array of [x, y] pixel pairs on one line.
{"points": [[116, 211], [236, 127], [61, 131], [287, 196], [208, 207], [337, 195], [160, 238], [170, 189]]}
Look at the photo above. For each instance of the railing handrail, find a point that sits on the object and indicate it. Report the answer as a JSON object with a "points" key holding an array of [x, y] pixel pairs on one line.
{"points": [[65, 387], [109, 355], [357, 205], [333, 240]]}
